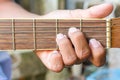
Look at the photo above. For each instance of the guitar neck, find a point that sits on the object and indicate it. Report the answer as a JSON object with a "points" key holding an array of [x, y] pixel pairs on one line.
{"points": [[40, 34]]}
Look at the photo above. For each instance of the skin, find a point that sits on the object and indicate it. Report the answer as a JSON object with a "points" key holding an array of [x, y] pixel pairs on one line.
{"points": [[66, 56]]}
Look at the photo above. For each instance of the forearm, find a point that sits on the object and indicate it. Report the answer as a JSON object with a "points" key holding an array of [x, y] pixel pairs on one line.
{"points": [[9, 9]]}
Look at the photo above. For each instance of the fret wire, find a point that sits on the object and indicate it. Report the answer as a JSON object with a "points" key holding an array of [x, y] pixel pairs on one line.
{"points": [[35, 28], [108, 33], [34, 33], [56, 32], [13, 34], [80, 24], [80, 30]]}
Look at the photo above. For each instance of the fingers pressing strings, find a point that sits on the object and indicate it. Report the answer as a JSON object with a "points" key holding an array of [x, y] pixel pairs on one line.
{"points": [[79, 42], [66, 49], [70, 54], [98, 53]]}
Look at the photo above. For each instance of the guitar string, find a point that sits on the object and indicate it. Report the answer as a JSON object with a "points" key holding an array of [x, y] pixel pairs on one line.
{"points": [[50, 27], [100, 27]]}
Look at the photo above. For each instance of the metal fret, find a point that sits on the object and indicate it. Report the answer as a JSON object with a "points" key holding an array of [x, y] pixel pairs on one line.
{"points": [[81, 24], [108, 33], [13, 35], [22, 32], [34, 34], [56, 32]]}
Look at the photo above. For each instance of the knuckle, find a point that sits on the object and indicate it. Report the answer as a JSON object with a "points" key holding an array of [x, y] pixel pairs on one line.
{"points": [[70, 60], [84, 54]]}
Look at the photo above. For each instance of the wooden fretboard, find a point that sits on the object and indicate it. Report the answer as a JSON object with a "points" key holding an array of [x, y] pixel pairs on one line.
{"points": [[40, 34]]}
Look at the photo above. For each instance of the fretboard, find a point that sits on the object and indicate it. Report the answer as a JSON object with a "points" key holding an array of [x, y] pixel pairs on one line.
{"points": [[40, 34]]}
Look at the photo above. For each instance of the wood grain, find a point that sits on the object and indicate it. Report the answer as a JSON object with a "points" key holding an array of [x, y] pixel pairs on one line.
{"points": [[45, 32], [115, 33]]}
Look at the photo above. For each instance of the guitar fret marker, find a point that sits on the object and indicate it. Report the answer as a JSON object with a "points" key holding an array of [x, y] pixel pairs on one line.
{"points": [[108, 33], [13, 34]]}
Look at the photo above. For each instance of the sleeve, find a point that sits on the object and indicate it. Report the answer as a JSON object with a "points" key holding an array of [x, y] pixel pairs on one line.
{"points": [[5, 64], [2, 75]]}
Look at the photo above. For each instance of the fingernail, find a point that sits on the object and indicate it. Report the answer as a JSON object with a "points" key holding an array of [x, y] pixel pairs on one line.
{"points": [[73, 29], [60, 36], [94, 43]]}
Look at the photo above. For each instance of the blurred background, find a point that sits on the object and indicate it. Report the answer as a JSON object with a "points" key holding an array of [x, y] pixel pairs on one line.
{"points": [[27, 66]]}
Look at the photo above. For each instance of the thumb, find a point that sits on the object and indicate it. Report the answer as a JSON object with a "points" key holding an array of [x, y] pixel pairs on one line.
{"points": [[98, 11]]}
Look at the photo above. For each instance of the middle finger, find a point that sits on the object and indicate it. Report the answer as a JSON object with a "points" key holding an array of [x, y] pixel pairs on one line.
{"points": [[79, 42], [66, 50]]}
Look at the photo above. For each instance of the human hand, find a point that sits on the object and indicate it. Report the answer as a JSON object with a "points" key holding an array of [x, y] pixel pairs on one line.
{"points": [[66, 56]]}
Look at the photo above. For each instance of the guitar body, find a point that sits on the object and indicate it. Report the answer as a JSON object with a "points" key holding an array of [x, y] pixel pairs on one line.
{"points": [[115, 31]]}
